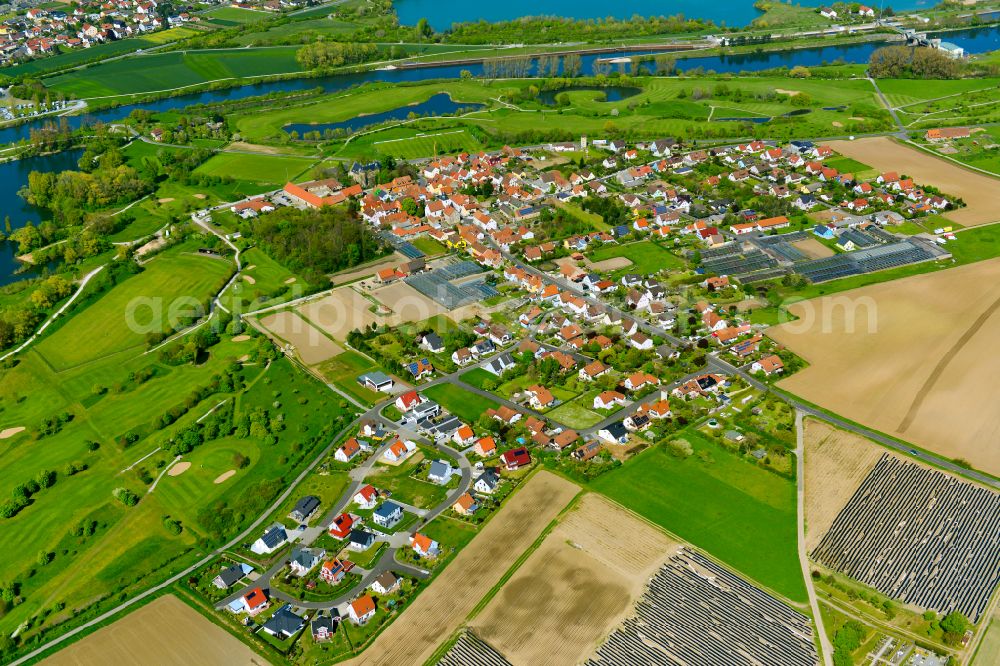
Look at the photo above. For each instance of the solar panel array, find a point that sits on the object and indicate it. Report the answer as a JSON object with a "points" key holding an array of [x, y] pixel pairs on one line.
{"points": [[919, 535], [409, 250], [439, 285], [696, 612], [880, 233], [858, 237], [761, 276], [880, 257], [745, 262], [470, 650]]}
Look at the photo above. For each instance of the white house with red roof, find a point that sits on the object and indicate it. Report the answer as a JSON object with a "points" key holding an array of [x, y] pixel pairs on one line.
{"points": [[367, 497]]}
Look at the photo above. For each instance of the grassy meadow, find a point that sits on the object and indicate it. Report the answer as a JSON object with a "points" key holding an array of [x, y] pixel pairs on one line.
{"points": [[741, 514], [175, 69], [168, 282]]}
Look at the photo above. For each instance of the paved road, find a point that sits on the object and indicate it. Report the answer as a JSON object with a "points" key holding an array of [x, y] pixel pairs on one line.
{"points": [[826, 649], [903, 133]]}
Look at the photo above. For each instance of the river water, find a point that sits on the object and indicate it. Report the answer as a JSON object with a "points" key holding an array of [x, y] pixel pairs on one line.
{"points": [[442, 13], [14, 175]]}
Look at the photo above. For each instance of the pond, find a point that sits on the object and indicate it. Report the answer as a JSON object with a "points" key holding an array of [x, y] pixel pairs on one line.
{"points": [[14, 176], [437, 105], [612, 93]]}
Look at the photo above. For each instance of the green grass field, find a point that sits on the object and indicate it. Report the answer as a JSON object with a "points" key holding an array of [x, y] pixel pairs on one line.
{"points": [[228, 16], [466, 406], [343, 369], [404, 487], [741, 514], [123, 316], [576, 415], [166, 71], [428, 246], [131, 548], [263, 169], [646, 257], [423, 144], [848, 165]]}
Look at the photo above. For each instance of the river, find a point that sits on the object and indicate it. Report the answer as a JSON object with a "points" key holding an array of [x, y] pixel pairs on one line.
{"points": [[442, 13], [974, 40], [14, 175]]}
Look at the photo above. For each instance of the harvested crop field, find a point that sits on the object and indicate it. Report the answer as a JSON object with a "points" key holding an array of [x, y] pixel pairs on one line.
{"points": [[149, 636], [914, 358], [310, 343], [345, 309], [578, 586], [813, 248], [836, 462], [980, 193], [443, 606]]}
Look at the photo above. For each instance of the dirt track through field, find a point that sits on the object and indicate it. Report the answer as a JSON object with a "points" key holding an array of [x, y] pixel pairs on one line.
{"points": [[980, 192], [439, 610], [578, 586], [942, 365], [927, 371], [165, 632]]}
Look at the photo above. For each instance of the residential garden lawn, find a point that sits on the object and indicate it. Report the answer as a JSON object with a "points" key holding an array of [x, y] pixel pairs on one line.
{"points": [[575, 415], [848, 165], [645, 255], [343, 370], [463, 404], [593, 219], [367, 558], [428, 245], [450, 531], [269, 169], [175, 69], [327, 487], [103, 328], [131, 549], [741, 514], [405, 487]]}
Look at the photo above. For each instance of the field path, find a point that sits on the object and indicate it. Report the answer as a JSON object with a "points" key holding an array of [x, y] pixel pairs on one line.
{"points": [[942, 365], [826, 649]]}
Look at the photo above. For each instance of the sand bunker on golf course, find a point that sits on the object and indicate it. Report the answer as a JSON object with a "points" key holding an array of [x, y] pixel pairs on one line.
{"points": [[179, 469], [224, 476], [10, 432], [241, 338]]}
